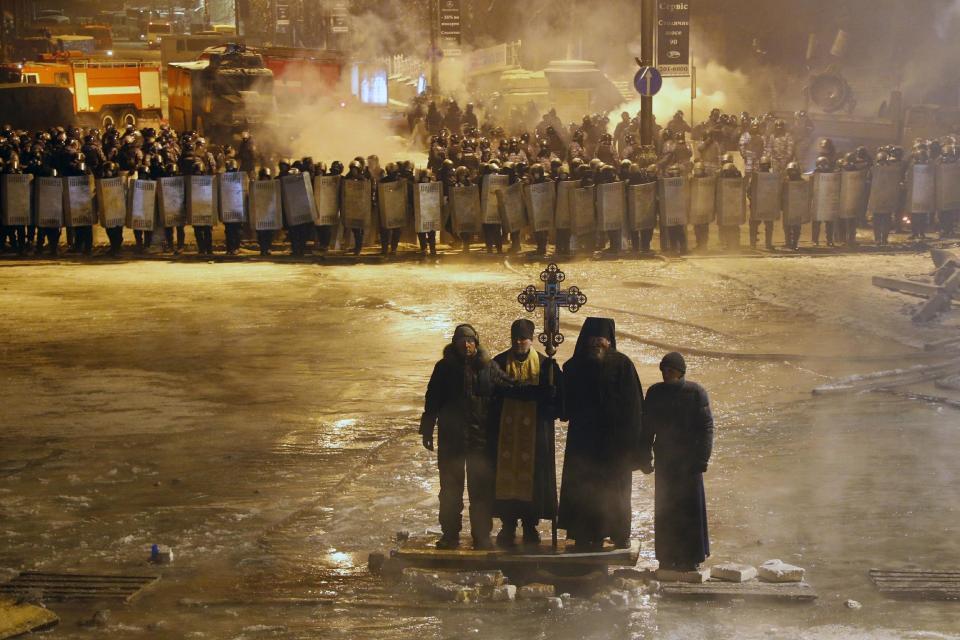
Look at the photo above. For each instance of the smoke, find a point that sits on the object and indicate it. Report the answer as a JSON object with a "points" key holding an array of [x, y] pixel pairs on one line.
{"points": [[717, 88], [330, 126]]}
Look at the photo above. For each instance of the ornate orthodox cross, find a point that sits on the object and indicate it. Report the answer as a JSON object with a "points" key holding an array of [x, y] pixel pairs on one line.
{"points": [[551, 299]]}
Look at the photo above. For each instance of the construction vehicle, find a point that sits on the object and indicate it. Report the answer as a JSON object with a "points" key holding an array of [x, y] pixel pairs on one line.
{"points": [[223, 94], [299, 74], [104, 93]]}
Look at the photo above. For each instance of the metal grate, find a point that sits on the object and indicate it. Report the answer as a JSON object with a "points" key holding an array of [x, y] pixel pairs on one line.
{"points": [[917, 584], [75, 586]]}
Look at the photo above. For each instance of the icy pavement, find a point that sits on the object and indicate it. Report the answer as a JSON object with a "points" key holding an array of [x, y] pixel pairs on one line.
{"points": [[260, 419]]}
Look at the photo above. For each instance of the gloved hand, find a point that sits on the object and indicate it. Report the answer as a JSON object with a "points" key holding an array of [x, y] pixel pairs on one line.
{"points": [[700, 467], [428, 441], [646, 467]]}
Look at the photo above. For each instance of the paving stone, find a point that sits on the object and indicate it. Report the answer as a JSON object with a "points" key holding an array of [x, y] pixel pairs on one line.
{"points": [[733, 572], [780, 571], [694, 577], [504, 593]]}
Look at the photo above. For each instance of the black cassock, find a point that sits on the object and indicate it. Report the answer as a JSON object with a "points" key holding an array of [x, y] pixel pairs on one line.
{"points": [[678, 431], [604, 402]]}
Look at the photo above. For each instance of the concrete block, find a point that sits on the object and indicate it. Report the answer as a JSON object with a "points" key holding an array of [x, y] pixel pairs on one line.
{"points": [[733, 572], [693, 577], [554, 604], [780, 571], [504, 593], [536, 590]]}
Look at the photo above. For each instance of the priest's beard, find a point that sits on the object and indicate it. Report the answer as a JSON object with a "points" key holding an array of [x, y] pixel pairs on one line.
{"points": [[521, 356], [597, 353]]}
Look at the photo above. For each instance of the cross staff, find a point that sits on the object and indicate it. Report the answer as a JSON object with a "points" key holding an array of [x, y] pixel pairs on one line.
{"points": [[551, 299]]}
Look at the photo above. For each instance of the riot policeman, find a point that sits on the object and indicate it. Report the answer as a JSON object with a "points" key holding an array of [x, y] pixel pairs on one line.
{"points": [[106, 171], [764, 166], [825, 164], [232, 231], [791, 231]]}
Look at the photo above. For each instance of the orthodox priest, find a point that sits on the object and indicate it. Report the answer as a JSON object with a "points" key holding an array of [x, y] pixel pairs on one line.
{"points": [[604, 403], [522, 431], [678, 440]]}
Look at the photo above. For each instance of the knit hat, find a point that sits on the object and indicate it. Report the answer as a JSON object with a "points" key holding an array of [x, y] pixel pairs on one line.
{"points": [[465, 331], [674, 361]]}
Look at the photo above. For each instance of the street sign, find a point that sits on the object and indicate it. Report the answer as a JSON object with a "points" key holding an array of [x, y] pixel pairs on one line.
{"points": [[673, 38], [648, 81]]}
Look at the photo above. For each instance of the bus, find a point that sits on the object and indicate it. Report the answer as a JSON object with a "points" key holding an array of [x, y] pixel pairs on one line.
{"points": [[180, 48], [156, 32]]}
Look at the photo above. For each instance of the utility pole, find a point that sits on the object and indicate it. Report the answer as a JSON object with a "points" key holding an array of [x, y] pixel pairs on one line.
{"points": [[646, 60], [434, 8]]}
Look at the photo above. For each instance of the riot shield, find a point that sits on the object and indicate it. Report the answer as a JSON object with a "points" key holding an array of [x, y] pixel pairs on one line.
{"points": [[884, 189], [796, 202], [233, 188], [564, 213], [826, 197], [921, 195], [765, 197], [853, 194], [948, 187], [78, 208], [611, 202], [296, 193], [489, 186], [201, 201], [112, 202], [584, 212], [703, 199], [171, 202], [48, 200], [16, 191], [326, 193], [510, 203], [541, 200], [465, 205], [428, 206], [393, 204], [142, 205], [266, 210], [357, 204], [642, 206], [731, 204], [674, 201]]}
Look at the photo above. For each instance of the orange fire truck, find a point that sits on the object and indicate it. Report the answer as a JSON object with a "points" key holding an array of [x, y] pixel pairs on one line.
{"points": [[104, 92]]}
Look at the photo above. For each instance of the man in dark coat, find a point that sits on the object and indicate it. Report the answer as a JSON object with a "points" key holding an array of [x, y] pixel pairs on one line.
{"points": [[522, 437], [458, 398], [604, 402], [678, 438]]}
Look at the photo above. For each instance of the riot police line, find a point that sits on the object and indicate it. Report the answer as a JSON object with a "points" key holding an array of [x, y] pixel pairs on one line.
{"points": [[151, 181], [597, 206]]}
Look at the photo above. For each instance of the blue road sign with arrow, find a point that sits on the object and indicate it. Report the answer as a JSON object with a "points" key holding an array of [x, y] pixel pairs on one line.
{"points": [[648, 81]]}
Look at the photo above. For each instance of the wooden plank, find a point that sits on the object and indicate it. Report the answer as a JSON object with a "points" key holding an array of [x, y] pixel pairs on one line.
{"points": [[907, 286], [420, 552], [888, 379], [942, 344], [940, 302], [17, 619], [753, 589]]}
